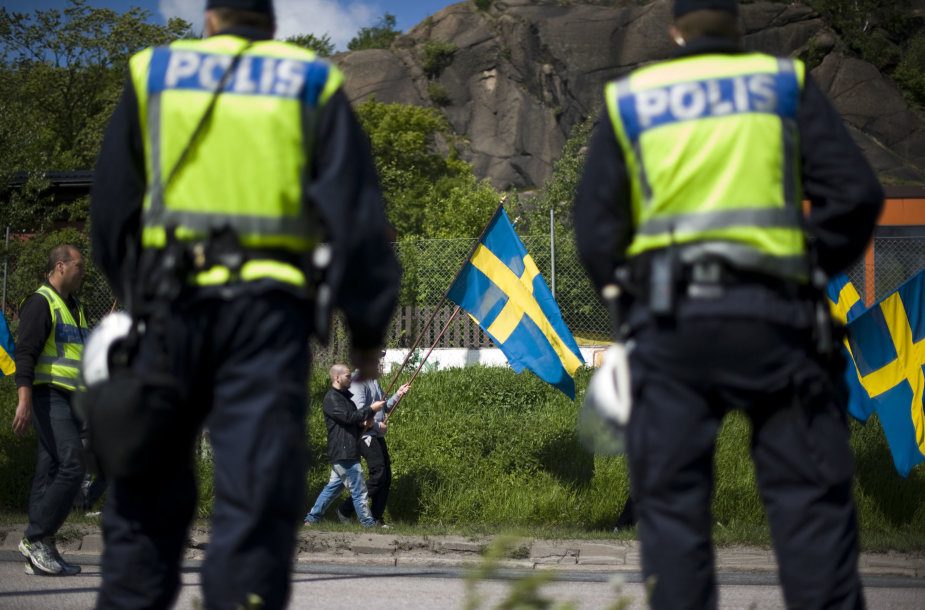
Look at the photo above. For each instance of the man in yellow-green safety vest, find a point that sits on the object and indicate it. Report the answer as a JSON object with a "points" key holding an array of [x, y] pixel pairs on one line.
{"points": [[233, 175], [691, 200], [49, 344]]}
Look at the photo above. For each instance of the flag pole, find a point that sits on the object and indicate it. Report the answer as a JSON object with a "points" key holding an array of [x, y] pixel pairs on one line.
{"points": [[443, 300], [415, 346], [420, 366]]}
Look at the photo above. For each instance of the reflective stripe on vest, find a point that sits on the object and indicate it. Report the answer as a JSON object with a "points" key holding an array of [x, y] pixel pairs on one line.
{"points": [[59, 362], [690, 129], [248, 167]]}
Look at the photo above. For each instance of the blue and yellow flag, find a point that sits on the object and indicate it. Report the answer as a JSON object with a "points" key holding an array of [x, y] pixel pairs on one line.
{"points": [[846, 305], [7, 364], [844, 300], [887, 344], [502, 289]]}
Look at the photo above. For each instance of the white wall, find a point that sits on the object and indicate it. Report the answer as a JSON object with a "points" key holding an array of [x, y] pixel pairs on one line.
{"points": [[446, 358]]}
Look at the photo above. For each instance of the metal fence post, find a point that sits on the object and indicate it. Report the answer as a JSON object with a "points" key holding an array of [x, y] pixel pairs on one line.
{"points": [[6, 254], [552, 251]]}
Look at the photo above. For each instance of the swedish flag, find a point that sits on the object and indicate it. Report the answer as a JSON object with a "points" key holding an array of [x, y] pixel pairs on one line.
{"points": [[502, 289], [844, 300], [846, 305], [7, 364], [887, 344]]}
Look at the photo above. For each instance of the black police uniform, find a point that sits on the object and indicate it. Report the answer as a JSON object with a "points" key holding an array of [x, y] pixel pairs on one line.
{"points": [[744, 344], [241, 354]]}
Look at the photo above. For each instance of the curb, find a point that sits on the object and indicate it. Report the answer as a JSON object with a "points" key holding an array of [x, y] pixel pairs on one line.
{"points": [[362, 548]]}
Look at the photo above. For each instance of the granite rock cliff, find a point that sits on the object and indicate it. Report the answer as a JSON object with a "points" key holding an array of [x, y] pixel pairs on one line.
{"points": [[515, 79]]}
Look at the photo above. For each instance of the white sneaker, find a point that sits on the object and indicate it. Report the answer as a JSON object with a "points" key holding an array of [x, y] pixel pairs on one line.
{"points": [[40, 557]]}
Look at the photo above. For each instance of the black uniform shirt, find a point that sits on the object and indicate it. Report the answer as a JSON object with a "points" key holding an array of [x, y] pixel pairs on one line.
{"points": [[343, 188], [35, 325], [842, 188]]}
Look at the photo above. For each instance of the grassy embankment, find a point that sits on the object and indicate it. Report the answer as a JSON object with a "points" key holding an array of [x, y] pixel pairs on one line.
{"points": [[482, 450]]}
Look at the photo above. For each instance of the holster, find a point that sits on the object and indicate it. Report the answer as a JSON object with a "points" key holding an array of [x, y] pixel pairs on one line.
{"points": [[133, 418]]}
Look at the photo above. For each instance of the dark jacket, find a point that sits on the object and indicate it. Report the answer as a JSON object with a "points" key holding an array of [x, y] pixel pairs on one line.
{"points": [[35, 325], [342, 189], [345, 424], [843, 191]]}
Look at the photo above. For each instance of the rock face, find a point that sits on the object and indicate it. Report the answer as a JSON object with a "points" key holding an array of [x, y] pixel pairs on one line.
{"points": [[515, 79]]}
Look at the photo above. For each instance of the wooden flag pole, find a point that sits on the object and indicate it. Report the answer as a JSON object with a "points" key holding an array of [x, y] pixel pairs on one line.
{"points": [[415, 346], [443, 300], [426, 356]]}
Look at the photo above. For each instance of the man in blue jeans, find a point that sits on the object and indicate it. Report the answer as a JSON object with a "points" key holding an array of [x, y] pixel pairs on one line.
{"points": [[345, 423], [49, 346]]}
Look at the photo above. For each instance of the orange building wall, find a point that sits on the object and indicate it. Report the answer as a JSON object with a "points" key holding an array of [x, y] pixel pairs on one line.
{"points": [[897, 212]]}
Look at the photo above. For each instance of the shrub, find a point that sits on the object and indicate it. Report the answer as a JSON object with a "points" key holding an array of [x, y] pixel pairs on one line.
{"points": [[379, 36], [437, 56], [910, 73], [438, 94]]}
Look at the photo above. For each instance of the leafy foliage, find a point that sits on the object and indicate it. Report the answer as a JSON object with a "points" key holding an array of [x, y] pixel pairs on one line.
{"points": [[379, 36], [910, 73], [436, 56], [321, 45], [61, 72], [887, 34], [438, 94], [28, 260], [463, 208], [421, 173], [559, 191]]}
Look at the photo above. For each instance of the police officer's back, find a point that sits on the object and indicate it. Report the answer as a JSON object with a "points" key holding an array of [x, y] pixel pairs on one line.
{"points": [[234, 190], [694, 182]]}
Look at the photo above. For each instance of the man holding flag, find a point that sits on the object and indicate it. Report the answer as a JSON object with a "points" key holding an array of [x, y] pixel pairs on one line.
{"points": [[694, 182]]}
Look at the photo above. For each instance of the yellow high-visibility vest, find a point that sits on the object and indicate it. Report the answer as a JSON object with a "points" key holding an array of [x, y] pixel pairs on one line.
{"points": [[712, 151], [59, 363], [248, 168]]}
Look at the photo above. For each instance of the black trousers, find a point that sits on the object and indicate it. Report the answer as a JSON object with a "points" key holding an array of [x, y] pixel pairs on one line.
{"points": [[686, 376], [379, 466], [244, 364]]}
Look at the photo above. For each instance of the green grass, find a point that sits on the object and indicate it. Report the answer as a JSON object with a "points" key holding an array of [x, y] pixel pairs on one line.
{"points": [[483, 451]]}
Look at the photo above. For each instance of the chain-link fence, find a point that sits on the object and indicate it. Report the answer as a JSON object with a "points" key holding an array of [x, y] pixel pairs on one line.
{"points": [[895, 260], [429, 268], [431, 265]]}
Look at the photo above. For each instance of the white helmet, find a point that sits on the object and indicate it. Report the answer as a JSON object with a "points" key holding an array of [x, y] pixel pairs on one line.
{"points": [[608, 400], [95, 362]]}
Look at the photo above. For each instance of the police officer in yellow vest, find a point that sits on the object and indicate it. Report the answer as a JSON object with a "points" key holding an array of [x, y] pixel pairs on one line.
{"points": [[49, 344], [692, 199], [226, 163]]}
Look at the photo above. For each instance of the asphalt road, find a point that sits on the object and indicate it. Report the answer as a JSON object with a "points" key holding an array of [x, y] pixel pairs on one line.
{"points": [[350, 587]]}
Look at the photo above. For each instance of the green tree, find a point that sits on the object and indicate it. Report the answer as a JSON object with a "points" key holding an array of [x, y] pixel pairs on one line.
{"points": [[462, 207], [321, 45], [379, 36], [61, 72], [559, 191], [414, 171]]}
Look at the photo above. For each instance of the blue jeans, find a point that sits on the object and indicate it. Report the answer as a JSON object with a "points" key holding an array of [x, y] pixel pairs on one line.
{"points": [[59, 468], [347, 473]]}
